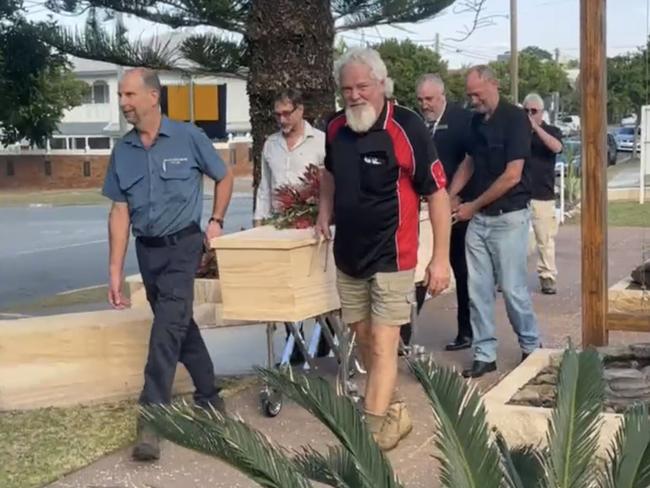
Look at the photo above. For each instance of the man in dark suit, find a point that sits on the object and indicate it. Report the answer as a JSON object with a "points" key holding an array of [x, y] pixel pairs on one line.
{"points": [[449, 124]]}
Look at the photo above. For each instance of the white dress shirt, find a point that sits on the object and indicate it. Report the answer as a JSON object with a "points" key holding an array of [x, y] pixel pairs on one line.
{"points": [[281, 165]]}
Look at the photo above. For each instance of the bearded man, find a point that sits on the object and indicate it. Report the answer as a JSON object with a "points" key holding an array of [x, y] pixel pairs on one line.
{"points": [[379, 161]]}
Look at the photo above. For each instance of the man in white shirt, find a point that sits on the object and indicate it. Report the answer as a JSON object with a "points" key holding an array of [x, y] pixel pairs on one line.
{"points": [[288, 152], [285, 157]]}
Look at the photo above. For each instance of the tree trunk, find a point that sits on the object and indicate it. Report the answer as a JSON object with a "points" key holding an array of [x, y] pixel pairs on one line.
{"points": [[289, 47]]}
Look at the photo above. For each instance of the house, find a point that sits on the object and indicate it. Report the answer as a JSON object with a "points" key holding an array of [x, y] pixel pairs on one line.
{"points": [[219, 103]]}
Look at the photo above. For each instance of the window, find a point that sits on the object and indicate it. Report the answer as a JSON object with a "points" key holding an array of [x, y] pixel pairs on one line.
{"points": [[10, 168], [88, 96], [86, 169], [100, 92], [58, 143], [99, 143], [47, 167], [79, 143]]}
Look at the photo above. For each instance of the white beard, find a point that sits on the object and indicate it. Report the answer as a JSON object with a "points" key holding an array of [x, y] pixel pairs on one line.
{"points": [[361, 117]]}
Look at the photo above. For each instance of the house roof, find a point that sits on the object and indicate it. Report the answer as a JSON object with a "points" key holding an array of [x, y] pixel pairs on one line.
{"points": [[88, 129]]}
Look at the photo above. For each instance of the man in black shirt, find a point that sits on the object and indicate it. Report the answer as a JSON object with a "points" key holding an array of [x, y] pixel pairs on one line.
{"points": [[449, 124], [546, 143], [379, 161], [497, 235]]}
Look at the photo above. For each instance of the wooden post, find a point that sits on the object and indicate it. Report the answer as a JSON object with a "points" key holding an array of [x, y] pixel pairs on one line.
{"points": [[593, 76], [514, 53]]}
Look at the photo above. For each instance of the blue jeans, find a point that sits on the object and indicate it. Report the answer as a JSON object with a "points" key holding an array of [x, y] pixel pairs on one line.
{"points": [[496, 248]]}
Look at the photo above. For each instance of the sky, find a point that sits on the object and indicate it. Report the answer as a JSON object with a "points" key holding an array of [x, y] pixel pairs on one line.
{"points": [[549, 24]]}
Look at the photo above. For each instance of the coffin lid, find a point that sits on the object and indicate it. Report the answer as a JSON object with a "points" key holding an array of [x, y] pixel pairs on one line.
{"points": [[266, 237]]}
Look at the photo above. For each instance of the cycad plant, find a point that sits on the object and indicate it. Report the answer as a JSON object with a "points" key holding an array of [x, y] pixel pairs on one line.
{"points": [[470, 454]]}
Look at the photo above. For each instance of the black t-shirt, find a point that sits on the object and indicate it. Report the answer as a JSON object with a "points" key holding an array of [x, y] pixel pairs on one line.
{"points": [[450, 139], [379, 177], [541, 165], [495, 142]]}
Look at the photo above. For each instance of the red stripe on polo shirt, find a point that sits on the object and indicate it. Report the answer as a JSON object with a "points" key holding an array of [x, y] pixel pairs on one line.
{"points": [[335, 124], [406, 237], [438, 173]]}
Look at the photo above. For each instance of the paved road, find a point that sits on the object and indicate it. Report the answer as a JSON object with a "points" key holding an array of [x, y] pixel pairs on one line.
{"points": [[44, 251]]}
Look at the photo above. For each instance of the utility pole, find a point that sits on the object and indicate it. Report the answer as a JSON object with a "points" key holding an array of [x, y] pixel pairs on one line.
{"points": [[514, 53], [437, 44]]}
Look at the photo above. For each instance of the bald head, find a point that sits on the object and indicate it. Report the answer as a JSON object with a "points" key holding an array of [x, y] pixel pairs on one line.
{"points": [[139, 93]]}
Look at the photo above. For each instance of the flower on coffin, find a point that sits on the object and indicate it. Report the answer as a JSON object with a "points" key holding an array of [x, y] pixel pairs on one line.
{"points": [[297, 204]]}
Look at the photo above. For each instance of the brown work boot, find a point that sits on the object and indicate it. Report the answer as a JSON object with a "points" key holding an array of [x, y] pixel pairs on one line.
{"points": [[405, 425], [387, 434], [147, 446]]}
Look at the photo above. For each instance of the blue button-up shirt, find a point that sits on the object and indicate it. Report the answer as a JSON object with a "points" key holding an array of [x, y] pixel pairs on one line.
{"points": [[163, 185]]}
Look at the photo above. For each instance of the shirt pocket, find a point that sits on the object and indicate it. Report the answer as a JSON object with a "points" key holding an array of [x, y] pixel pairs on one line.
{"points": [[177, 182], [496, 158], [376, 173], [132, 184]]}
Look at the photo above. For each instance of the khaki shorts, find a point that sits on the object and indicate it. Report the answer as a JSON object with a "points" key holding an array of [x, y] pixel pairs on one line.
{"points": [[384, 298]]}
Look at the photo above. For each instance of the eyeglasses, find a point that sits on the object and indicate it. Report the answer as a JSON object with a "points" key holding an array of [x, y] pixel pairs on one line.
{"points": [[286, 114], [531, 111]]}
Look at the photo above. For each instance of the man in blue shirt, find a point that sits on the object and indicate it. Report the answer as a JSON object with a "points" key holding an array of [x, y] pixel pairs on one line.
{"points": [[155, 179]]}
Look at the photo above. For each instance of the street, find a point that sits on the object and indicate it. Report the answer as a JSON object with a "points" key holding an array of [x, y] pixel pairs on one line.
{"points": [[49, 250]]}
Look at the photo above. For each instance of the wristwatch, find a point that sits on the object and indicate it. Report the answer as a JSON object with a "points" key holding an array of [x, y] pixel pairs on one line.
{"points": [[217, 220]]}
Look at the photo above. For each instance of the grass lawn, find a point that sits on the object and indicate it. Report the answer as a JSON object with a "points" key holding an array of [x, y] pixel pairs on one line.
{"points": [[628, 214], [56, 303], [623, 214], [39, 446], [56, 198]]}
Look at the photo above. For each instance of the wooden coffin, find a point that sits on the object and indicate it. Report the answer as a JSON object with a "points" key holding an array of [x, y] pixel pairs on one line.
{"points": [[275, 275]]}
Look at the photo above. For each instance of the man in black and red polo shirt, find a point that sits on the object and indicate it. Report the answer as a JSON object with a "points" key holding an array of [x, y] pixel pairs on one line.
{"points": [[379, 161]]}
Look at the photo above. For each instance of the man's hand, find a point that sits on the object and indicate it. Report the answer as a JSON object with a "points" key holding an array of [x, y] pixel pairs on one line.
{"points": [[115, 297], [436, 276], [212, 231], [533, 123], [465, 211], [454, 202], [322, 227]]}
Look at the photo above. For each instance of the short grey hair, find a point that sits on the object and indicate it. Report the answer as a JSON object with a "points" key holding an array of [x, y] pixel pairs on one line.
{"points": [[534, 98], [484, 72], [370, 58], [149, 77], [430, 78]]}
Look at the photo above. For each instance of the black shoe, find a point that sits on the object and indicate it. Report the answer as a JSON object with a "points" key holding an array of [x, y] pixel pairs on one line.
{"points": [[479, 368], [524, 355], [548, 286], [459, 343], [147, 446]]}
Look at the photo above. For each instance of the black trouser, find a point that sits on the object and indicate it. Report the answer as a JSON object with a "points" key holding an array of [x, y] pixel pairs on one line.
{"points": [[168, 274], [459, 267]]}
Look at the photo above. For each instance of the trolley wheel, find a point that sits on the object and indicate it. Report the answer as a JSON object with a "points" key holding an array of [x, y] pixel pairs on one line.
{"points": [[271, 403]]}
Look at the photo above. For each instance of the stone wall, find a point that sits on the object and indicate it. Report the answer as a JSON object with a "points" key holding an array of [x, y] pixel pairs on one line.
{"points": [[75, 171]]}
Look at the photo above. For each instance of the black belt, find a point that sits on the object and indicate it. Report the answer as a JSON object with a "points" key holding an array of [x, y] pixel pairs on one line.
{"points": [[493, 212], [170, 239]]}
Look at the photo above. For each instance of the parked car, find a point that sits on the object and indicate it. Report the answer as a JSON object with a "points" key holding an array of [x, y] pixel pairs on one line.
{"points": [[625, 138], [629, 119], [568, 124], [573, 147]]}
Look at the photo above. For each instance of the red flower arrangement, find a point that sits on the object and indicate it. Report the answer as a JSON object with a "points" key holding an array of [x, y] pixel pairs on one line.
{"points": [[297, 205]]}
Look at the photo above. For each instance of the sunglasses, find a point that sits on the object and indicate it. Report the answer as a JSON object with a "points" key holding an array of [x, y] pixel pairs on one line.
{"points": [[531, 111]]}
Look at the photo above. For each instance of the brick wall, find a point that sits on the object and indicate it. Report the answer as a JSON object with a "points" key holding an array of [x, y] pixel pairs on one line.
{"points": [[66, 171]]}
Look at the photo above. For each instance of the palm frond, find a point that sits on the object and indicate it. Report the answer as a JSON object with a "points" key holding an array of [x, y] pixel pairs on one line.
{"points": [[468, 457], [629, 454], [340, 416], [228, 439], [337, 469], [575, 424], [213, 54], [522, 465]]}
